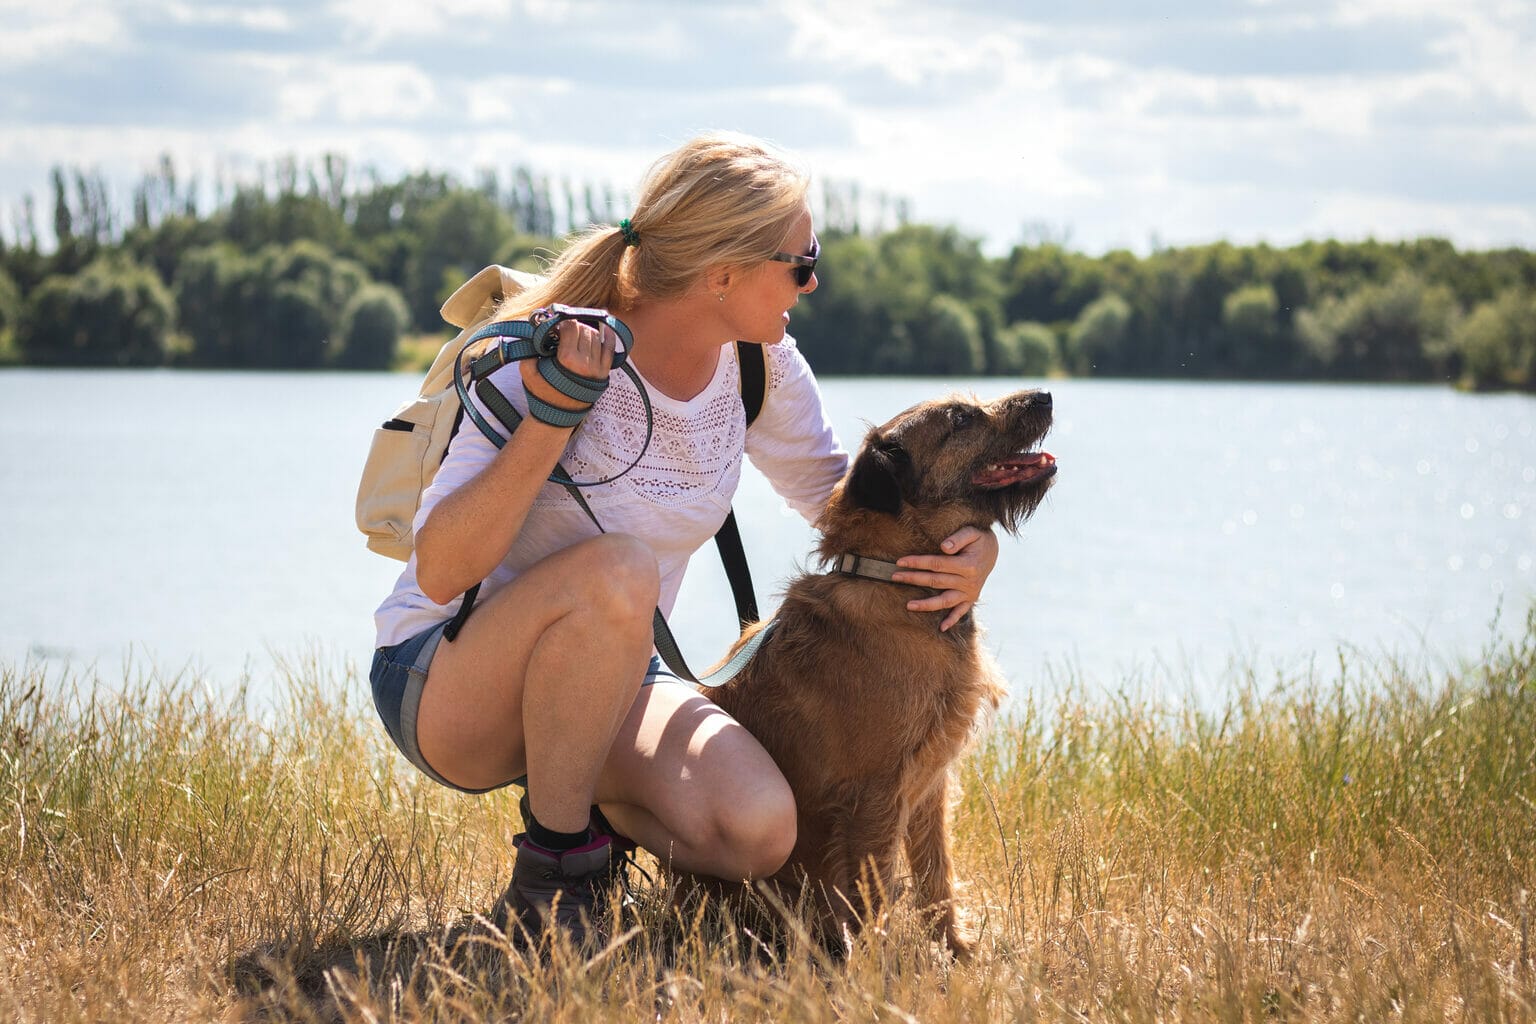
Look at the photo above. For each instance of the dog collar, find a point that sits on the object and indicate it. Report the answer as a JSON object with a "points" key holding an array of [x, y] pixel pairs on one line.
{"points": [[869, 568]]}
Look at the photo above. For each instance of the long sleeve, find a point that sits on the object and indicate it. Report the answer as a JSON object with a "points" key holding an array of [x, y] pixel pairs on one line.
{"points": [[792, 442]]}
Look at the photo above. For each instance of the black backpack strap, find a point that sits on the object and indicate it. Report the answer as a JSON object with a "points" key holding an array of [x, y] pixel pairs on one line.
{"points": [[754, 387], [734, 557], [754, 378], [451, 631]]}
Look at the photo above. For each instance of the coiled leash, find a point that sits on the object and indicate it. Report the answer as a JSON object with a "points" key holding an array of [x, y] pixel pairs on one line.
{"points": [[538, 338]]}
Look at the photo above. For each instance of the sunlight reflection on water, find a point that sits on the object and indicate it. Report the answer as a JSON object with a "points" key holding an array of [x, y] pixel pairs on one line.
{"points": [[206, 518]]}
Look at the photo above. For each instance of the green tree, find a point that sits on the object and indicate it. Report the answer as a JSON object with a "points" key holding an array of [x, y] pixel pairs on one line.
{"points": [[951, 345], [168, 240], [1390, 331], [1176, 298], [371, 326], [1046, 283], [850, 324], [292, 328], [458, 235], [1026, 349], [255, 218], [279, 308], [208, 302], [1098, 340], [387, 207], [10, 303], [1250, 329], [113, 313], [887, 302], [1497, 341], [875, 309], [63, 219]]}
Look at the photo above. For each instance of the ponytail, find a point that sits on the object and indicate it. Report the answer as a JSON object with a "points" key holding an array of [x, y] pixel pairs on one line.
{"points": [[721, 199]]}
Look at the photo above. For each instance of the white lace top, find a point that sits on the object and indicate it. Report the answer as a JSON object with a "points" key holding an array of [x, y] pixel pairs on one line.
{"points": [[674, 499]]}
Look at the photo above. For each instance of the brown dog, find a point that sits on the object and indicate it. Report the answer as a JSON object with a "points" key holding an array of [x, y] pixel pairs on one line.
{"points": [[865, 705]]}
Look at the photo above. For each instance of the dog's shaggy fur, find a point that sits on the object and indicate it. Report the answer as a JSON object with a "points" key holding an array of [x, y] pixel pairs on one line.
{"points": [[865, 705]]}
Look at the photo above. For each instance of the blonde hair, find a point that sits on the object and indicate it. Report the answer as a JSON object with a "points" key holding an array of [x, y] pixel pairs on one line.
{"points": [[721, 199]]}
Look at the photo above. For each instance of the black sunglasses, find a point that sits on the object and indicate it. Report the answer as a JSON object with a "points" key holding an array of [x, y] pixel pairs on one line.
{"points": [[805, 266]]}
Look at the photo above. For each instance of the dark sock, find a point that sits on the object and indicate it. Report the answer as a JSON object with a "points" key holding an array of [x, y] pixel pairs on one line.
{"points": [[549, 839]]}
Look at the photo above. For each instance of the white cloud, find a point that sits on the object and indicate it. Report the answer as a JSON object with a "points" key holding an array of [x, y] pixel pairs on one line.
{"points": [[1191, 120], [1362, 214], [36, 35], [910, 44], [371, 22], [265, 19], [353, 94]]}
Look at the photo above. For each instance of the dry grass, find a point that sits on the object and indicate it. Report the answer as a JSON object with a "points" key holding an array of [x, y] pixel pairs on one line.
{"points": [[1357, 848]]}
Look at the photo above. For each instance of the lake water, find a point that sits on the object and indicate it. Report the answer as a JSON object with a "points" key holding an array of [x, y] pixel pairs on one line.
{"points": [[204, 521]]}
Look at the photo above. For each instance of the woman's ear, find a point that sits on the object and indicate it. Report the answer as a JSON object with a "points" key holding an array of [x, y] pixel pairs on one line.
{"points": [[718, 280]]}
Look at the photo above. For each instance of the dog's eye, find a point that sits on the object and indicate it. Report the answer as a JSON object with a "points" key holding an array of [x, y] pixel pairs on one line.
{"points": [[961, 417]]}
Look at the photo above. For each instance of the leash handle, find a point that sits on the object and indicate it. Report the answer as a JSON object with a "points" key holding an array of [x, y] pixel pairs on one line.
{"points": [[517, 343], [546, 323]]}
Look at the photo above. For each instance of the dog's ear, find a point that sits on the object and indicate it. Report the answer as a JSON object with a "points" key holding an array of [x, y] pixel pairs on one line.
{"points": [[876, 478]]}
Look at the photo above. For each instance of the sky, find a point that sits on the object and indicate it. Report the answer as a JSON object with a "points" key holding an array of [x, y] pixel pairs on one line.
{"points": [[1118, 124]]}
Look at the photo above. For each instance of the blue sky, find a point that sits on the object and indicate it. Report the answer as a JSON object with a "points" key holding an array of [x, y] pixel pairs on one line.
{"points": [[1113, 124]]}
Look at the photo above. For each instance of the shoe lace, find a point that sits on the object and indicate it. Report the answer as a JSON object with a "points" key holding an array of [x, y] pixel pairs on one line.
{"points": [[623, 861]]}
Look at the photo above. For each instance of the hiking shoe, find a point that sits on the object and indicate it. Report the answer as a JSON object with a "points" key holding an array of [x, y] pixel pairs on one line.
{"points": [[623, 847], [562, 891]]}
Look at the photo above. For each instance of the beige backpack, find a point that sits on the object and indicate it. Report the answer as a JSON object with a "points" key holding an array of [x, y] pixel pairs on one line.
{"points": [[410, 445]]}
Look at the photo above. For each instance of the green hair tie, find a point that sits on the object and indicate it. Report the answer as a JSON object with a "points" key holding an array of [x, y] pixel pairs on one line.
{"points": [[631, 236]]}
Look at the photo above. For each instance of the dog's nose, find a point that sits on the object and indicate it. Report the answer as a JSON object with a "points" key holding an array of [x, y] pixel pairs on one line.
{"points": [[1042, 398]]}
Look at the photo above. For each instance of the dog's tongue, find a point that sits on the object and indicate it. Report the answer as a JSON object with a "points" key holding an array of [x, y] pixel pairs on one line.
{"points": [[1016, 469]]}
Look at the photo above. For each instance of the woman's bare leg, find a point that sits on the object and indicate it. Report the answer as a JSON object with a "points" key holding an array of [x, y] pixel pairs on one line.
{"points": [[689, 783], [545, 680], [542, 676]]}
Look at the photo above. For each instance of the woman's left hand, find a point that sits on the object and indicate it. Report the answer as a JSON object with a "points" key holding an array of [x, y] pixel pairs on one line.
{"points": [[958, 574]]}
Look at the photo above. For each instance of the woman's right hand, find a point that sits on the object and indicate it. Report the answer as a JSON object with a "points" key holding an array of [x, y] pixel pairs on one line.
{"points": [[583, 350]]}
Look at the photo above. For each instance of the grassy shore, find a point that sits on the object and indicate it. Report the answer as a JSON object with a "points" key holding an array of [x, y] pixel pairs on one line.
{"points": [[416, 351], [1357, 845]]}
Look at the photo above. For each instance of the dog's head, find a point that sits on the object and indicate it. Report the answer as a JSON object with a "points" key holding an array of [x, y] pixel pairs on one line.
{"points": [[954, 462]]}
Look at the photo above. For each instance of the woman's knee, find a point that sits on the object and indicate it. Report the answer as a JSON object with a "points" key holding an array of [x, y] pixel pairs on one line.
{"points": [[756, 830], [622, 575]]}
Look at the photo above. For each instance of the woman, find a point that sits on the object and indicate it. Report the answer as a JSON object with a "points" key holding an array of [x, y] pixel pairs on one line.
{"points": [[551, 676]]}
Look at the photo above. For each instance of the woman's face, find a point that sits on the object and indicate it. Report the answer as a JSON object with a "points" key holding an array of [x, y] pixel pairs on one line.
{"points": [[758, 303]]}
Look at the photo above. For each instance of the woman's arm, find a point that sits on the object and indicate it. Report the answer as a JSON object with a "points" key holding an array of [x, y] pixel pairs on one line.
{"points": [[469, 529], [792, 442]]}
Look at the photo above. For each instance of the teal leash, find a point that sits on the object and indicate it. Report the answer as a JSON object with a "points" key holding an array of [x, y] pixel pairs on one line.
{"points": [[524, 339], [666, 646]]}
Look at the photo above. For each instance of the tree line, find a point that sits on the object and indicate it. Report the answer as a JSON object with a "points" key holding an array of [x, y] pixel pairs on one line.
{"points": [[315, 266]]}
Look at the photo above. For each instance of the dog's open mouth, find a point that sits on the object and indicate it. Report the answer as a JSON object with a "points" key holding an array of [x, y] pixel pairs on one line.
{"points": [[1024, 468]]}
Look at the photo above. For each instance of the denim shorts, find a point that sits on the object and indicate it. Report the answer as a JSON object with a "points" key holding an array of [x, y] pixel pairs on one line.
{"points": [[399, 674]]}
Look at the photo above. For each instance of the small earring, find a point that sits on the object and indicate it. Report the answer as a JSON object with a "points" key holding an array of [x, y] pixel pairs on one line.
{"points": [[720, 296]]}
